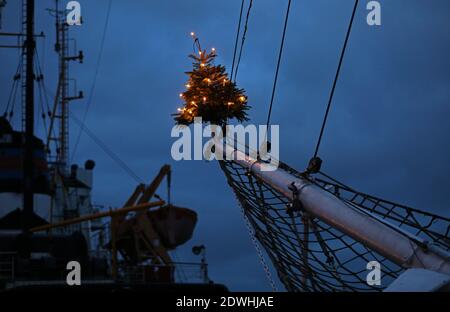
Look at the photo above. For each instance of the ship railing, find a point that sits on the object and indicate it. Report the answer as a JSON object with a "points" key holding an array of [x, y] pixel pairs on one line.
{"points": [[191, 272], [177, 272], [7, 261]]}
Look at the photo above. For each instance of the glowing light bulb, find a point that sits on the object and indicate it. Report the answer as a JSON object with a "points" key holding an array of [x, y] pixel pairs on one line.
{"points": [[213, 49], [202, 65], [204, 99], [179, 109], [181, 95], [193, 103], [188, 86], [230, 103], [192, 34], [242, 98]]}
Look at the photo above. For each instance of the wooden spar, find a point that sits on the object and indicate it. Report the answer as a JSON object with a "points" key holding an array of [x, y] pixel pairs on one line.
{"points": [[99, 215], [386, 240]]}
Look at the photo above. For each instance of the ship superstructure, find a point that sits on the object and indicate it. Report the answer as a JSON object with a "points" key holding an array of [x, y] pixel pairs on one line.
{"points": [[47, 216]]}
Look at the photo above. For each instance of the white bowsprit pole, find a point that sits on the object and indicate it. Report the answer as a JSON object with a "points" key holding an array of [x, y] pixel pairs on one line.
{"points": [[370, 231]]}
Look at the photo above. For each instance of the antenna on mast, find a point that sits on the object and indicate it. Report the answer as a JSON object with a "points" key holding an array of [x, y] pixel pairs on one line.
{"points": [[61, 110]]}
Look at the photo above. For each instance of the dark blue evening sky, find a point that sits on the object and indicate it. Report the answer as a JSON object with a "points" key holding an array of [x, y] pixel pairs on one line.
{"points": [[388, 128]]}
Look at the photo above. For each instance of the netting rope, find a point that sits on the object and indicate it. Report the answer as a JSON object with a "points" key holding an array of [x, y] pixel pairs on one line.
{"points": [[310, 255]]}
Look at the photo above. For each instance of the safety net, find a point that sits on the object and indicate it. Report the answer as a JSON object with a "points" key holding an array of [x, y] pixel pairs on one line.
{"points": [[310, 255]]}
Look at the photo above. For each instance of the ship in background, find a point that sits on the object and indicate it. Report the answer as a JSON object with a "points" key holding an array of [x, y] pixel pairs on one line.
{"points": [[47, 217]]}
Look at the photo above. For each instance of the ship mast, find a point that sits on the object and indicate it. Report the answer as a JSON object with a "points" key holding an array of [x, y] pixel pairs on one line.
{"points": [[63, 99], [28, 166]]}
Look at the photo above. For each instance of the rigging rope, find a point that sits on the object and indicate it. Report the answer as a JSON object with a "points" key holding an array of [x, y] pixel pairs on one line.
{"points": [[41, 109], [246, 220], [43, 97], [40, 71], [243, 39], [311, 256], [13, 92], [108, 151], [278, 65], [326, 259], [94, 82], [237, 39], [41, 84], [335, 80], [252, 235]]}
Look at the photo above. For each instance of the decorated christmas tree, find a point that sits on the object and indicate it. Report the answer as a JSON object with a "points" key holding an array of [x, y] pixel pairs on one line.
{"points": [[210, 94]]}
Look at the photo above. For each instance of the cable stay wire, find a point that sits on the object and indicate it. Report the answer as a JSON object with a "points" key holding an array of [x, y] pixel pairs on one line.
{"points": [[12, 105], [94, 82], [40, 71], [328, 258], [269, 114], [250, 5], [51, 130], [45, 92], [41, 91], [13, 91], [106, 149], [43, 98], [330, 99], [237, 40], [235, 72]]}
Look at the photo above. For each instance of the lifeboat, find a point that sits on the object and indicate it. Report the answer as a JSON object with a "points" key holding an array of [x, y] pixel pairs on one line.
{"points": [[175, 225]]}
